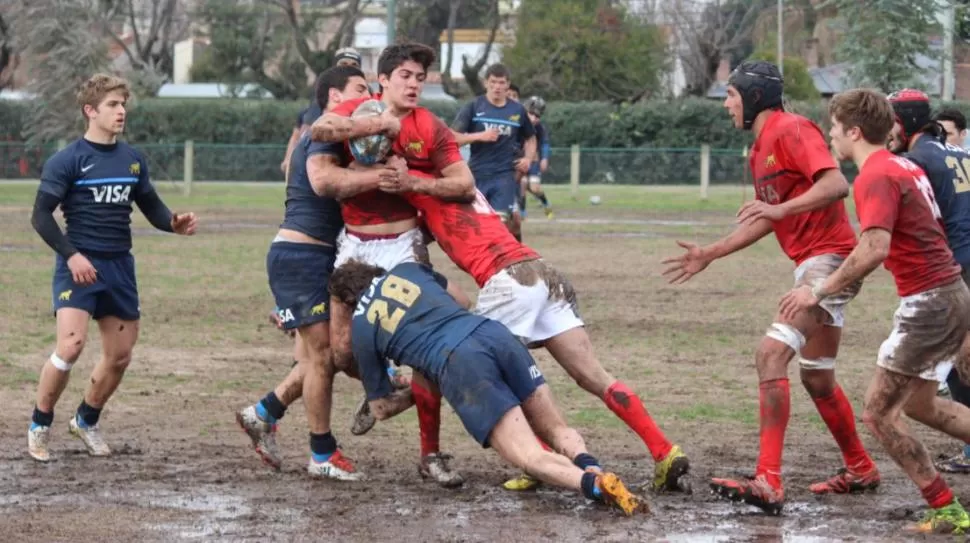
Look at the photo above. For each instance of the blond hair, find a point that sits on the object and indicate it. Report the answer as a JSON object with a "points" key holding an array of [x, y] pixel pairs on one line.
{"points": [[866, 109], [94, 90]]}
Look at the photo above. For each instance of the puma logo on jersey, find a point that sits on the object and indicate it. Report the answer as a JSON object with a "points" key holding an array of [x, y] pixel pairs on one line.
{"points": [[65, 295], [503, 129], [770, 161], [318, 309], [111, 194]]}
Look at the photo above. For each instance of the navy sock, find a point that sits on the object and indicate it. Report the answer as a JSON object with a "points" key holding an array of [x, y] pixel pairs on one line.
{"points": [[273, 406], [589, 487], [542, 198], [585, 460], [322, 446], [88, 415], [42, 419]]}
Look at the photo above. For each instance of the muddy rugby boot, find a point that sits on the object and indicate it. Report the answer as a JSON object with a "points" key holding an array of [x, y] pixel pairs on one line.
{"points": [[670, 473], [364, 420], [91, 436], [38, 437], [436, 466], [522, 483], [262, 434], [337, 467], [959, 463], [951, 519], [614, 492], [757, 492], [846, 482]]}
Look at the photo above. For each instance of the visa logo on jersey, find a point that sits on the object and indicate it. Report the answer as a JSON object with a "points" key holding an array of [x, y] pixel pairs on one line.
{"points": [[111, 194], [503, 129]]}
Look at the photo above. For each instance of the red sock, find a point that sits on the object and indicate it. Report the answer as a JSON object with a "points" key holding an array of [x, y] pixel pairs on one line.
{"points": [[775, 407], [937, 494], [428, 405], [837, 413], [622, 401]]}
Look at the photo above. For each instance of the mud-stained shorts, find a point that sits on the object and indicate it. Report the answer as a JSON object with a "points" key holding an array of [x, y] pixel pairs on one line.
{"points": [[928, 328], [533, 300], [814, 271], [385, 251]]}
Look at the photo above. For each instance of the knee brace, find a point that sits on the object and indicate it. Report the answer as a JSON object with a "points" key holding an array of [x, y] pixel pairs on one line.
{"points": [[60, 364], [824, 363], [788, 335]]}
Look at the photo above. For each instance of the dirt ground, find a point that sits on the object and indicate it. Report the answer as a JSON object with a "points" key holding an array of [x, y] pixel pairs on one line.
{"points": [[182, 469]]}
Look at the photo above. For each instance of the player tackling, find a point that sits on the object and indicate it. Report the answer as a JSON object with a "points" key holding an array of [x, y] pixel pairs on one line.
{"points": [[94, 180], [798, 188], [898, 218]]}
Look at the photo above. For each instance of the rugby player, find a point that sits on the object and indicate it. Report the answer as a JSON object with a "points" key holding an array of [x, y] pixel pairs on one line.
{"points": [[925, 141], [299, 263], [513, 93], [94, 180], [495, 126], [381, 227], [531, 182], [955, 124], [798, 188], [487, 375], [346, 56], [538, 305], [898, 220]]}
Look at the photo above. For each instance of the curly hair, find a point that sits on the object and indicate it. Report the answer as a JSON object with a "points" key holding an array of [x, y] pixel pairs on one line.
{"points": [[349, 281]]}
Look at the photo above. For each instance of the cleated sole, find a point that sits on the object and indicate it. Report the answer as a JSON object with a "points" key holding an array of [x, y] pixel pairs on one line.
{"points": [[676, 474], [627, 501], [734, 495]]}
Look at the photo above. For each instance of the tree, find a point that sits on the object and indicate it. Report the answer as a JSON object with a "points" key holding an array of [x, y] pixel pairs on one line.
{"points": [[8, 57], [585, 50], [882, 39], [64, 52], [470, 71], [423, 21], [708, 31], [153, 27], [798, 81], [304, 26]]}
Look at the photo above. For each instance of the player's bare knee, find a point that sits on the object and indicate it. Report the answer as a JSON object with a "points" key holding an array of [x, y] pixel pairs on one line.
{"points": [[119, 361], [818, 376]]}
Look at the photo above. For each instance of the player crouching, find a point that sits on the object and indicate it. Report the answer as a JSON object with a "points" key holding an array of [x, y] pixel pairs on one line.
{"points": [[484, 372]]}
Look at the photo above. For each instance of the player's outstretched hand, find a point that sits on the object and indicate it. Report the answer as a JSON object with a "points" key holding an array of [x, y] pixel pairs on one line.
{"points": [[681, 268], [756, 209], [82, 271], [522, 165], [797, 300], [184, 223], [390, 125]]}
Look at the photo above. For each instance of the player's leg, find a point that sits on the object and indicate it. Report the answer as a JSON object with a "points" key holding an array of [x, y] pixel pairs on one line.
{"points": [[118, 314], [72, 332], [326, 459], [889, 393], [817, 372], [960, 393], [535, 187], [434, 464], [260, 420]]}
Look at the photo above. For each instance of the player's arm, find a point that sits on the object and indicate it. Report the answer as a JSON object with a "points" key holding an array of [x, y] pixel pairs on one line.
{"points": [[545, 149], [527, 131], [872, 250], [830, 186], [334, 127], [453, 289], [331, 180], [384, 402], [456, 184], [54, 182], [696, 258], [155, 210], [462, 126]]}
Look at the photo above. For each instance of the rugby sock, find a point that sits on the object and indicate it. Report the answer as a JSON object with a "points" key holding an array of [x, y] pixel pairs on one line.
{"points": [[542, 198], [42, 419], [836, 411], [322, 446], [585, 460], [270, 408], [88, 415], [627, 405], [775, 409], [937, 494], [590, 490], [429, 417]]}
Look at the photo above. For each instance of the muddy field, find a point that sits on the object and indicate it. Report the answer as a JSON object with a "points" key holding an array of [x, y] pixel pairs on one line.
{"points": [[182, 469]]}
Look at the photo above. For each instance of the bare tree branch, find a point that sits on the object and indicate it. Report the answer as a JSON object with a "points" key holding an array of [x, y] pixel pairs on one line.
{"points": [[471, 72], [447, 83]]}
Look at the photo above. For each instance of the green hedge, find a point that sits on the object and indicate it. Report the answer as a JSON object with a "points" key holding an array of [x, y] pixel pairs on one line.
{"points": [[647, 143]]}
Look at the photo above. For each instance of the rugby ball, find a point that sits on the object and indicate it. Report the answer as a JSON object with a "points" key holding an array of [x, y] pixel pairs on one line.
{"points": [[595, 200], [369, 150]]}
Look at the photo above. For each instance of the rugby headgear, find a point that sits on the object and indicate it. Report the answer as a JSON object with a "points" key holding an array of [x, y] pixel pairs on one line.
{"points": [[912, 109], [535, 105], [761, 87]]}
